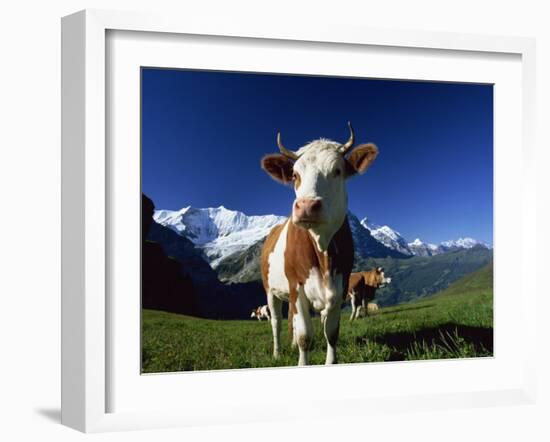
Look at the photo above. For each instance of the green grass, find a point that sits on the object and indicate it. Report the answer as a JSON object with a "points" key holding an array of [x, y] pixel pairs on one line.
{"points": [[455, 323]]}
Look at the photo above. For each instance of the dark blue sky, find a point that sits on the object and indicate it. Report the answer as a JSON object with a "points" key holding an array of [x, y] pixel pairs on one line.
{"points": [[204, 133]]}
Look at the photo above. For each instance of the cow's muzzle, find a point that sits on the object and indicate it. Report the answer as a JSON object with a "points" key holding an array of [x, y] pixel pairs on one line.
{"points": [[307, 211]]}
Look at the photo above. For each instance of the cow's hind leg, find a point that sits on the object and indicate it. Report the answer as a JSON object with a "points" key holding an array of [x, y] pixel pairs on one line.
{"points": [[275, 306], [303, 328]]}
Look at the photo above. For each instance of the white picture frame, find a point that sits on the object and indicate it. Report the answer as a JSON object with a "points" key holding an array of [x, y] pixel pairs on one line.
{"points": [[86, 356]]}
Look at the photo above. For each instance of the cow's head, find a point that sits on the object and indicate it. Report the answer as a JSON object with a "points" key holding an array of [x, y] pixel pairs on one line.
{"points": [[253, 314], [318, 172], [380, 277]]}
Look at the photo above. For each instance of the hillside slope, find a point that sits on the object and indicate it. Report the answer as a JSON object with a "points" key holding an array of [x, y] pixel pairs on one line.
{"points": [[421, 276], [455, 323]]}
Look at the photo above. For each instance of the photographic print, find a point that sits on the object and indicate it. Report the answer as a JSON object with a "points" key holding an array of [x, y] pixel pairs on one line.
{"points": [[303, 220]]}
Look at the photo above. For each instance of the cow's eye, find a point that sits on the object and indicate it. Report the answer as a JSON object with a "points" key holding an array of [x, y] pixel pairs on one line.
{"points": [[337, 172]]}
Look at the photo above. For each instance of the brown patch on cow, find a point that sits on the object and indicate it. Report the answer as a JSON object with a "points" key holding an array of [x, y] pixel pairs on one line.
{"points": [[361, 158], [301, 256], [268, 247], [297, 180], [278, 167]]}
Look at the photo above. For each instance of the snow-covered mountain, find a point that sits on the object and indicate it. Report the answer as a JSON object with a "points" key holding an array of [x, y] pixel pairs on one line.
{"points": [[420, 248], [366, 244], [219, 232], [392, 238], [387, 236], [463, 243]]}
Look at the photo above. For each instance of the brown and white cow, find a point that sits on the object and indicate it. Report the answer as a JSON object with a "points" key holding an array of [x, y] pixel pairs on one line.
{"points": [[261, 312], [362, 289], [307, 260]]}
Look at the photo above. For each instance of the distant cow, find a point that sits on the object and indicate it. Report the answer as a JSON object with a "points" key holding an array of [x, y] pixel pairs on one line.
{"points": [[261, 312], [362, 289], [307, 260], [372, 307]]}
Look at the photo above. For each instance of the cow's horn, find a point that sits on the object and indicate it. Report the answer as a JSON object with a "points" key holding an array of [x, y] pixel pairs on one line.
{"points": [[284, 150], [345, 147]]}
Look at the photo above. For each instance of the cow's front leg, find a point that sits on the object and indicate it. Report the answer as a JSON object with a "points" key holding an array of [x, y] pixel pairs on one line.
{"points": [[275, 306], [352, 316], [303, 328], [331, 325]]}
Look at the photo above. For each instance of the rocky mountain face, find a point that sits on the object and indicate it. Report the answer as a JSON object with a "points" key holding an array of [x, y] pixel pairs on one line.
{"points": [[365, 243], [387, 236], [242, 266], [177, 277], [166, 283], [420, 248]]}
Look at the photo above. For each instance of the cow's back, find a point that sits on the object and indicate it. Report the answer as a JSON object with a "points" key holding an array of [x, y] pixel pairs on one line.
{"points": [[370, 278]]}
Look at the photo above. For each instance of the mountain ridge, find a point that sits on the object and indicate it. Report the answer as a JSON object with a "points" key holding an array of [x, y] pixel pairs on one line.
{"points": [[394, 240], [228, 284], [220, 233]]}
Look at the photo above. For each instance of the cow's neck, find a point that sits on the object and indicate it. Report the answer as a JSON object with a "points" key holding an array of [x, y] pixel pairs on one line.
{"points": [[322, 236]]}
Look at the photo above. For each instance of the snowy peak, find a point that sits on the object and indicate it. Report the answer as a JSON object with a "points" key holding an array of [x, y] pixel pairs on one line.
{"points": [[420, 248], [387, 236], [220, 232], [368, 224], [392, 238], [366, 244], [464, 243]]}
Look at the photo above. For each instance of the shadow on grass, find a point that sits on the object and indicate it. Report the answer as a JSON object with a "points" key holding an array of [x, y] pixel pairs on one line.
{"points": [[400, 342], [404, 309]]}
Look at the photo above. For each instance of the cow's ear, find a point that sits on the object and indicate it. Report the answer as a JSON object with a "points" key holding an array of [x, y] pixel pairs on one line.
{"points": [[361, 158], [278, 167]]}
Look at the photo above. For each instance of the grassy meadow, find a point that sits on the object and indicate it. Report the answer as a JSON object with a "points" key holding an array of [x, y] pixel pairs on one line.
{"points": [[454, 323]]}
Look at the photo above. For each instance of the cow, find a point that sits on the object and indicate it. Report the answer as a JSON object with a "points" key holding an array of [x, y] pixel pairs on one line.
{"points": [[362, 289], [261, 312], [372, 307], [306, 261]]}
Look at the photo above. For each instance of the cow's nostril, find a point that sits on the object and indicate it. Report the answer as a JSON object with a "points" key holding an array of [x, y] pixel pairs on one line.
{"points": [[316, 205]]}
